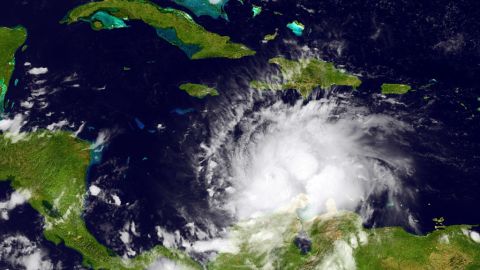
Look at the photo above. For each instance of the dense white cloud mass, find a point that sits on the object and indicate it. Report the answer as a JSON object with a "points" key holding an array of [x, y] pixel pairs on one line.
{"points": [[94, 190], [12, 127], [340, 259], [16, 198], [38, 70], [166, 264], [218, 244], [324, 151]]}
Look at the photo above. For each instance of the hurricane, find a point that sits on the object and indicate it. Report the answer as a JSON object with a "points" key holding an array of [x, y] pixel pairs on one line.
{"points": [[310, 157]]}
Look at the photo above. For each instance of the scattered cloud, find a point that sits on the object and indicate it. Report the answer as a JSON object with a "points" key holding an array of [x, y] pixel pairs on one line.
{"points": [[20, 252]]}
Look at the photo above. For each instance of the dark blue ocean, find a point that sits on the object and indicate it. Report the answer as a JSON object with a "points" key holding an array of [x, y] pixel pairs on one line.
{"points": [[434, 46]]}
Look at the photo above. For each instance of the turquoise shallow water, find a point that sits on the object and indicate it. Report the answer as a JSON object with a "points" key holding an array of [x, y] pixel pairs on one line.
{"points": [[108, 21], [159, 186], [296, 28], [170, 35], [204, 7], [256, 10]]}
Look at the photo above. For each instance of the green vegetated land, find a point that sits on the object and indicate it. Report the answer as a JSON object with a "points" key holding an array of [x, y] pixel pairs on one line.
{"points": [[340, 242], [198, 90], [393, 88], [11, 39], [304, 75], [52, 168], [187, 31], [269, 37]]}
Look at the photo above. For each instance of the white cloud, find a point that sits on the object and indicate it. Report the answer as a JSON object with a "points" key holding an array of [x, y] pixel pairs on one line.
{"points": [[102, 137], [475, 236], [166, 264], [362, 237], [94, 190], [217, 244], [340, 259], [57, 125], [26, 104], [16, 198], [169, 240], [20, 252], [317, 149], [38, 70], [12, 127], [215, 2], [116, 199], [444, 239], [125, 237]]}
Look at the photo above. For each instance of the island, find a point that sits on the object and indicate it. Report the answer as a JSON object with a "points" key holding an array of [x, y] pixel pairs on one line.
{"points": [[256, 10], [11, 39], [51, 169], [339, 241], [269, 37], [304, 75], [198, 90], [393, 88], [296, 27], [175, 26]]}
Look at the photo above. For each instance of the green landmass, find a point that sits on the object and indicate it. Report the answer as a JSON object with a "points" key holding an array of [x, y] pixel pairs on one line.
{"points": [[188, 32], [198, 90], [269, 243], [393, 88], [304, 75], [51, 168], [270, 37], [11, 39]]}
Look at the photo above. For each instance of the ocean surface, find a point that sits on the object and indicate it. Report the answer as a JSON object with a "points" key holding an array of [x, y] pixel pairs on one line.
{"points": [[123, 83]]}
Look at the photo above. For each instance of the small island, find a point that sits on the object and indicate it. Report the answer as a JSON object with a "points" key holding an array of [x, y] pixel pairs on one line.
{"points": [[296, 27], [51, 167], [175, 26], [304, 75], [256, 10], [393, 88], [269, 37], [11, 39], [198, 90]]}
